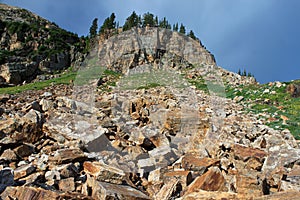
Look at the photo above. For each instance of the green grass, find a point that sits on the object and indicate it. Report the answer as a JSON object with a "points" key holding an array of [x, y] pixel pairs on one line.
{"points": [[63, 79], [152, 79], [149, 86], [199, 84], [274, 103]]}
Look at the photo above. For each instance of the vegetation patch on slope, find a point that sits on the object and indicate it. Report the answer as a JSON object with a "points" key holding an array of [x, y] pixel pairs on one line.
{"points": [[276, 107]]}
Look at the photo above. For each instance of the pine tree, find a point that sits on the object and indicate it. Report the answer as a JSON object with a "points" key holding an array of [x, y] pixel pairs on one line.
{"points": [[132, 21], [94, 27], [239, 72], [156, 21], [108, 24], [192, 35], [164, 23], [175, 27], [112, 22], [148, 19], [182, 29], [244, 73]]}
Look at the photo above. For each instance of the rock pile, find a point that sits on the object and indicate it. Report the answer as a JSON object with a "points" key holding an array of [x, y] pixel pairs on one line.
{"points": [[155, 143]]}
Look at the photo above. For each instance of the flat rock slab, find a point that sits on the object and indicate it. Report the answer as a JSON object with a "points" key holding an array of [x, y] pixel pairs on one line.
{"points": [[190, 162], [114, 192], [212, 180], [244, 153], [103, 172], [63, 156]]}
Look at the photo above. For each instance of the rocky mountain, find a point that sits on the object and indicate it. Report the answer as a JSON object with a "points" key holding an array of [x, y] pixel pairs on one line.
{"points": [[31, 45], [149, 115]]}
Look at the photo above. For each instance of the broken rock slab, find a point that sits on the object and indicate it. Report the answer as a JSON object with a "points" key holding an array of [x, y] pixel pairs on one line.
{"points": [[63, 156], [32, 193], [108, 191], [103, 172], [208, 195], [167, 190], [190, 162], [212, 180]]}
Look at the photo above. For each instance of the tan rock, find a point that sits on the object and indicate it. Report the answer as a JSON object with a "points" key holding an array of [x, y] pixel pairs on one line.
{"points": [[248, 186], [207, 195], [254, 163], [68, 155], [9, 154], [244, 153], [184, 177], [212, 180], [23, 171], [102, 190], [167, 189], [30, 178], [28, 193], [103, 172], [193, 163], [289, 195], [67, 185]]}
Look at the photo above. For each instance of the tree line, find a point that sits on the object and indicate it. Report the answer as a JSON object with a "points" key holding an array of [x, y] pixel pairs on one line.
{"points": [[148, 19]]}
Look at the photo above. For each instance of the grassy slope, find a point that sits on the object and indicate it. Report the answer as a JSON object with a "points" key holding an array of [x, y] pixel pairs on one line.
{"points": [[272, 104], [63, 79]]}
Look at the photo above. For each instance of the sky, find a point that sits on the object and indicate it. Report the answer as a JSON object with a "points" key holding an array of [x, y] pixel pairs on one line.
{"points": [[260, 36]]}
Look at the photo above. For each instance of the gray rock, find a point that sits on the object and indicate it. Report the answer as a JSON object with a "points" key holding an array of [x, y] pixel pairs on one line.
{"points": [[6, 178]]}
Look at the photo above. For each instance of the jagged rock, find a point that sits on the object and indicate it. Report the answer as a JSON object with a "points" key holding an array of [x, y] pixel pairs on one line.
{"points": [[16, 73], [63, 156], [248, 185], [67, 185], [184, 177], [23, 171], [190, 162], [68, 170], [10, 155], [167, 190], [102, 190], [103, 172], [281, 195], [244, 153], [52, 176], [28, 193], [33, 105], [30, 126], [24, 150], [30, 179], [207, 195], [46, 104], [212, 180]]}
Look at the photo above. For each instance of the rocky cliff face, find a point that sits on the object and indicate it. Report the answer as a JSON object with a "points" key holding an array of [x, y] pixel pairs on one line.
{"points": [[31, 45], [148, 46]]}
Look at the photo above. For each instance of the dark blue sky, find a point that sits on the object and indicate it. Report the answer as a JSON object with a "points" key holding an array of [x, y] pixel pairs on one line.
{"points": [[261, 36]]}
